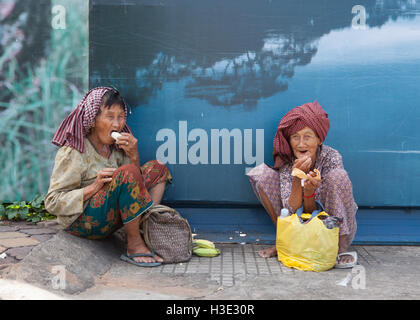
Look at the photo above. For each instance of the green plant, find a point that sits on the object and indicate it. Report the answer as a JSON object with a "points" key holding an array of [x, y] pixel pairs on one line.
{"points": [[34, 100], [34, 211]]}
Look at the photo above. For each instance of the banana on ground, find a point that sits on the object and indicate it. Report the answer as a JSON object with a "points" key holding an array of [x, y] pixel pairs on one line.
{"points": [[205, 248], [204, 243], [206, 252]]}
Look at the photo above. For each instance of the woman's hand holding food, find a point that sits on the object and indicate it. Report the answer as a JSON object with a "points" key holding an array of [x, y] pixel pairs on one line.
{"points": [[103, 177], [303, 164], [312, 180], [311, 184], [128, 143]]}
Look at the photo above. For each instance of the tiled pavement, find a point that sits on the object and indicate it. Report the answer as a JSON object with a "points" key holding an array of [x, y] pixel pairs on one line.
{"points": [[237, 273], [18, 238], [236, 263]]}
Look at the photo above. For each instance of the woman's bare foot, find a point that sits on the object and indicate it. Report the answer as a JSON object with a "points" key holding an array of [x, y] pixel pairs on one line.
{"points": [[268, 253], [346, 258], [135, 243], [343, 247], [133, 248]]}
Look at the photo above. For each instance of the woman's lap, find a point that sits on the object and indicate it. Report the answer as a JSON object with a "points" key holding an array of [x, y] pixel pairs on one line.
{"points": [[126, 198]]}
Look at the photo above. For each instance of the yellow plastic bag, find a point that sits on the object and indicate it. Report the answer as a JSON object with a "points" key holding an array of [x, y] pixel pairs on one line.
{"points": [[309, 246]]}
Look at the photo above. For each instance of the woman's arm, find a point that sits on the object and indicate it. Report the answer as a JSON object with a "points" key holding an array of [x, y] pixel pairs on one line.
{"points": [[104, 176], [309, 191], [65, 195], [296, 194], [128, 143], [295, 199], [136, 162], [89, 191]]}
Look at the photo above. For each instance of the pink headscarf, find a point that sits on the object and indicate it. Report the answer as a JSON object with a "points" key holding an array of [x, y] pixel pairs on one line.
{"points": [[77, 124], [307, 115]]}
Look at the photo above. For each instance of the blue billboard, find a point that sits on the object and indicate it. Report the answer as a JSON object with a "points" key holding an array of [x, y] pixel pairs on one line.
{"points": [[209, 81]]}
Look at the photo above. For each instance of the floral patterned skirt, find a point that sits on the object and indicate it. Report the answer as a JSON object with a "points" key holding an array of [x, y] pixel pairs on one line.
{"points": [[121, 201]]}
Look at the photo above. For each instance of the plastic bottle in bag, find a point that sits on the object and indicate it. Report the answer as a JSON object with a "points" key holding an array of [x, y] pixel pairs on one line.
{"points": [[284, 213]]}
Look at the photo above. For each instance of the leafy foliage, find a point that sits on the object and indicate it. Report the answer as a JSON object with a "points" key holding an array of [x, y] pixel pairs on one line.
{"points": [[35, 97], [33, 211]]}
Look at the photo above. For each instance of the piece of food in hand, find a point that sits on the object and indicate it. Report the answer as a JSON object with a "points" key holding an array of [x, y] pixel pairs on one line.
{"points": [[116, 135], [299, 173], [302, 175], [318, 174]]}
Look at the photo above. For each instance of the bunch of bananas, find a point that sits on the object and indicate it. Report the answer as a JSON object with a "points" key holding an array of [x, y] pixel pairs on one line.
{"points": [[205, 248]]}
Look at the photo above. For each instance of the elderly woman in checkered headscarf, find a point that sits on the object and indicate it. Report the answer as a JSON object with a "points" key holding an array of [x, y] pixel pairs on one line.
{"points": [[298, 143], [97, 184]]}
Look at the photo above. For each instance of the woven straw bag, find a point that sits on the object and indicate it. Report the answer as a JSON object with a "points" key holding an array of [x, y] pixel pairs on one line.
{"points": [[167, 233]]}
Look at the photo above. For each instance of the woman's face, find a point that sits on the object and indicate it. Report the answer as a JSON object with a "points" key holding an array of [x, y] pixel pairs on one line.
{"points": [[305, 143], [108, 120]]}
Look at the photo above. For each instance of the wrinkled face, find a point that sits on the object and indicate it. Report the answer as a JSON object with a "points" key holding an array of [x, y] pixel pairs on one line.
{"points": [[305, 143], [107, 121]]}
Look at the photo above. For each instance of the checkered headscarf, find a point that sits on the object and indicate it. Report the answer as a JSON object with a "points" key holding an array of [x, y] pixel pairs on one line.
{"points": [[78, 123]]}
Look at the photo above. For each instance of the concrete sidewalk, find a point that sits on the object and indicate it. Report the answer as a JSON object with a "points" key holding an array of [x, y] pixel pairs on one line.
{"points": [[67, 267], [383, 273], [18, 238]]}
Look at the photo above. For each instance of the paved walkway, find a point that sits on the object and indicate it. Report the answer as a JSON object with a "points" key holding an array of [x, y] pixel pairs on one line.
{"points": [[93, 270], [18, 238], [233, 264]]}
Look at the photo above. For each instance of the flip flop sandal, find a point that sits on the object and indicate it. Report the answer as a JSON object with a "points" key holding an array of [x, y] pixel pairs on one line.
{"points": [[129, 259], [349, 264]]}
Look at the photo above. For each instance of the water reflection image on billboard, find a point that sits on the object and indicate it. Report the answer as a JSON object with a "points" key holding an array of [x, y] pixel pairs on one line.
{"points": [[215, 65]]}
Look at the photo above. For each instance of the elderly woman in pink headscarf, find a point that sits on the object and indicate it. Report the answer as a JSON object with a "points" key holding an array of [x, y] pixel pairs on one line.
{"points": [[298, 143], [98, 184]]}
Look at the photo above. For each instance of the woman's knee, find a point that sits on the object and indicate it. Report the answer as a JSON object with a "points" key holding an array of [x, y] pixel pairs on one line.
{"points": [[127, 170], [337, 178], [156, 164], [336, 189], [337, 174], [160, 167]]}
